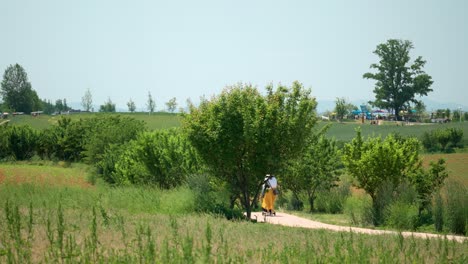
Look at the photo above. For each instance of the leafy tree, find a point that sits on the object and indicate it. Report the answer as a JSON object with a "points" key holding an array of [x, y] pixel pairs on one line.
{"points": [[420, 108], [376, 162], [242, 135], [456, 115], [343, 108], [107, 107], [447, 113], [131, 106], [317, 168], [17, 92], [48, 107], [397, 83], [87, 101], [171, 105], [151, 105], [59, 105]]}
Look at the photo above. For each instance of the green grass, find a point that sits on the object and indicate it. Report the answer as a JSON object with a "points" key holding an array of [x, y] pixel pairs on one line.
{"points": [[60, 220], [153, 121], [346, 131]]}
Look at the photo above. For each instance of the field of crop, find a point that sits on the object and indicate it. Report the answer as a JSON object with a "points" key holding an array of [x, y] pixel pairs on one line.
{"points": [[49, 215]]}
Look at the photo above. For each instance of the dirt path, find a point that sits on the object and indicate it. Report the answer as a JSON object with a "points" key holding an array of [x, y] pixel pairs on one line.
{"points": [[295, 221]]}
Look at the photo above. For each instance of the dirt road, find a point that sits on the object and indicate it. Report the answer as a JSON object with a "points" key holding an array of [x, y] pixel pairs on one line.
{"points": [[295, 221]]}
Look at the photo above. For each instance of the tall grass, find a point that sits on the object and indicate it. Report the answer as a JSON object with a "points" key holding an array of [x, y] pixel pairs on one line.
{"points": [[82, 236]]}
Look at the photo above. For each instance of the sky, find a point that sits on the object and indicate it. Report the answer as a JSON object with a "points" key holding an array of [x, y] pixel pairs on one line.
{"points": [[122, 50]]}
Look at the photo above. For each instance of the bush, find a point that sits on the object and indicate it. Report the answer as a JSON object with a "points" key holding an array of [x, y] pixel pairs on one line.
{"points": [[161, 158], [401, 215], [359, 210], [332, 201], [456, 207], [104, 131], [442, 139], [438, 213], [18, 142]]}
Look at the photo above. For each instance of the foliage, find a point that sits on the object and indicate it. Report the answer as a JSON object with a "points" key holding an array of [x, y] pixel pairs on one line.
{"points": [[332, 201], [171, 105], [107, 107], [17, 92], [343, 108], [376, 162], [456, 209], [162, 158], [131, 106], [18, 142], [442, 139], [427, 183], [403, 216], [242, 135], [316, 168], [397, 83], [65, 140], [151, 104], [359, 210], [87, 101], [104, 131]]}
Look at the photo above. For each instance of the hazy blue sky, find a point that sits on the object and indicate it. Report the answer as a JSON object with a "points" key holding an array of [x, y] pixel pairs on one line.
{"points": [[187, 49]]}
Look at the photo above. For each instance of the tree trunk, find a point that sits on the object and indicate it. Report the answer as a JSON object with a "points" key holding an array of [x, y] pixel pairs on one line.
{"points": [[311, 203]]}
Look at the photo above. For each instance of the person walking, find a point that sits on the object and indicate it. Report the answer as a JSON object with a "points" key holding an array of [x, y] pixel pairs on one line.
{"points": [[269, 192]]}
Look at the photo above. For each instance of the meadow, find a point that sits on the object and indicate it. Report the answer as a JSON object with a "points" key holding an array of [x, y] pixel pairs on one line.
{"points": [[46, 217], [58, 212]]}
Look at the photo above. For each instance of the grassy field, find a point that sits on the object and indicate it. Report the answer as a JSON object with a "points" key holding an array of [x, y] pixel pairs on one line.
{"points": [[346, 131], [49, 215], [340, 131], [457, 165], [154, 121]]}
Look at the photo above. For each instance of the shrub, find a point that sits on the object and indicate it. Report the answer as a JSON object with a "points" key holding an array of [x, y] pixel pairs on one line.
{"points": [[18, 142], [104, 131], [442, 139], [456, 207], [438, 213], [455, 135], [359, 210], [161, 158], [430, 142], [402, 215], [333, 201]]}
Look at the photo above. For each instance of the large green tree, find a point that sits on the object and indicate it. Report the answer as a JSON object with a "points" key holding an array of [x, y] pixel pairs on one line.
{"points": [[242, 135], [397, 82], [17, 92]]}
